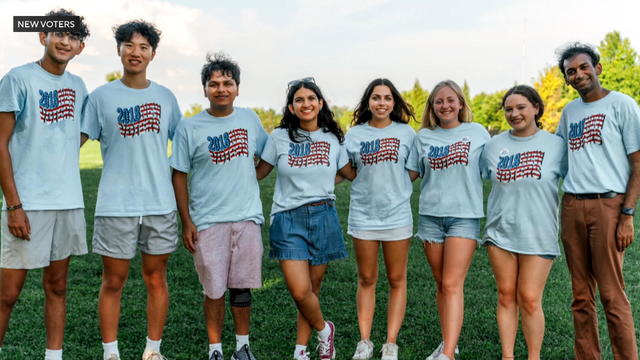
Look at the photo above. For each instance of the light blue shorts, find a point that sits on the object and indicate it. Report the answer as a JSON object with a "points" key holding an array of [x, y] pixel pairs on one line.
{"points": [[309, 232], [435, 229]]}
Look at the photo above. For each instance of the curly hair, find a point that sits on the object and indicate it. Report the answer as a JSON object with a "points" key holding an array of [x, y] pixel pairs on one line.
{"points": [[574, 49], [81, 31], [222, 63]]}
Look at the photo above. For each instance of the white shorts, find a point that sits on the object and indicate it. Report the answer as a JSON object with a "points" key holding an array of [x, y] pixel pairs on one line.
{"points": [[55, 235], [401, 233], [121, 237]]}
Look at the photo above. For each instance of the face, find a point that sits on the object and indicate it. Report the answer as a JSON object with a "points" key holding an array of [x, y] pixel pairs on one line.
{"points": [[221, 90], [447, 106], [381, 102], [581, 74], [136, 54], [520, 114], [306, 105], [61, 47]]}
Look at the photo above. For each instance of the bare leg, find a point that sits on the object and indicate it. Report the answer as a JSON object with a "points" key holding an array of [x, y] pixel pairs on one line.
{"points": [[214, 318], [11, 283], [54, 282], [395, 259], [435, 256], [505, 270], [154, 273], [532, 278], [367, 259], [114, 276], [458, 253]]}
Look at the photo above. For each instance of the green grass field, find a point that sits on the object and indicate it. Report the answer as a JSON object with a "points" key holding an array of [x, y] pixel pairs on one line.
{"points": [[273, 332]]}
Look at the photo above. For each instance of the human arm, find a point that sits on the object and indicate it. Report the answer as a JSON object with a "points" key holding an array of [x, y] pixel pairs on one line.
{"points": [[625, 230], [83, 138], [263, 169], [413, 175], [17, 219], [189, 231], [347, 172]]}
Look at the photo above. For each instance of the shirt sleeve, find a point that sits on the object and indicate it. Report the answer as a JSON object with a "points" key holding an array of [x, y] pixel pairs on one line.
{"points": [[630, 115], [180, 155], [261, 136], [270, 151], [561, 131], [176, 116], [343, 157], [12, 94], [90, 123], [414, 162]]}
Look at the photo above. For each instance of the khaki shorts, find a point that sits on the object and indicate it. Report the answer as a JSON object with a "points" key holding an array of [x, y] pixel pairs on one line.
{"points": [[120, 237], [55, 235], [229, 256]]}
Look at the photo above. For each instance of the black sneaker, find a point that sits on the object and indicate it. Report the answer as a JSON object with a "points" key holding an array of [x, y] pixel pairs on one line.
{"points": [[243, 354]]}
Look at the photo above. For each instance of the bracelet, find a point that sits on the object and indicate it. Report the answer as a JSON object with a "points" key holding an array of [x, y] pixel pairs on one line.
{"points": [[14, 207]]}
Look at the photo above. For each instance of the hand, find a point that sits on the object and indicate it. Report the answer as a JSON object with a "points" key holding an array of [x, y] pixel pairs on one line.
{"points": [[18, 223], [624, 232], [189, 236]]}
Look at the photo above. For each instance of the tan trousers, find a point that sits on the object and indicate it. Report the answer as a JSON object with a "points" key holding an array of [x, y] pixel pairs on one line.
{"points": [[589, 238]]}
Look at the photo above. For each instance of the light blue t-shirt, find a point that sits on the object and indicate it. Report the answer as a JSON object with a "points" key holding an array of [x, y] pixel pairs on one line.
{"points": [[599, 135], [381, 192], [218, 154], [448, 162], [133, 127], [45, 144], [306, 170], [522, 210]]}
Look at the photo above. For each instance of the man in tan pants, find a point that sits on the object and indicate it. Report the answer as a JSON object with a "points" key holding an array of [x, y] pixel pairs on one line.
{"points": [[602, 133]]}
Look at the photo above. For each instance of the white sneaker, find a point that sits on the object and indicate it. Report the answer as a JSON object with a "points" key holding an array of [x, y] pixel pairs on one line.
{"points": [[389, 352], [439, 349], [303, 355], [113, 357], [364, 350], [442, 356], [152, 355]]}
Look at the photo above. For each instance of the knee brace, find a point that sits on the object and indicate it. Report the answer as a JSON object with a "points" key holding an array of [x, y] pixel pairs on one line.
{"points": [[240, 297]]}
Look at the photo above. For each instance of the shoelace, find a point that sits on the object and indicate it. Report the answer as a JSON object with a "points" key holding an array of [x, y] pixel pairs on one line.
{"points": [[362, 349], [303, 356]]}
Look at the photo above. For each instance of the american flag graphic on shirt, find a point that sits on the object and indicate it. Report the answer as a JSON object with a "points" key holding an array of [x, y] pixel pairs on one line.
{"points": [[379, 150], [139, 119], [228, 145], [518, 166], [57, 105], [443, 157], [586, 131], [309, 154]]}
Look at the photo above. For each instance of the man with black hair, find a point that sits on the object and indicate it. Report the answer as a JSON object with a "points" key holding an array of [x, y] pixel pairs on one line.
{"points": [[221, 211], [602, 133], [133, 118], [43, 216]]}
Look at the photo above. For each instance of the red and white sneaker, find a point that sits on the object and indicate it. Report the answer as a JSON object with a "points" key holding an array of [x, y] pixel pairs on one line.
{"points": [[326, 349]]}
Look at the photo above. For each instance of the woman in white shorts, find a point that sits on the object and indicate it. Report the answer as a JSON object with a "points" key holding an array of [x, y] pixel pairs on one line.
{"points": [[446, 154], [378, 145]]}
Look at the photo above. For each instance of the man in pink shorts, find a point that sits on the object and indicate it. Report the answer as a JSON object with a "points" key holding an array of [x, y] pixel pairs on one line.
{"points": [[219, 202]]}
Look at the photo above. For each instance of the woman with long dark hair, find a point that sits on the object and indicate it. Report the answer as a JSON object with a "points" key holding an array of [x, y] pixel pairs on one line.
{"points": [[525, 166], [378, 145], [305, 232]]}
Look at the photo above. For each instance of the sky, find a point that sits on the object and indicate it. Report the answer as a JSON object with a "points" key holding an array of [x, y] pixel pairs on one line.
{"points": [[343, 44]]}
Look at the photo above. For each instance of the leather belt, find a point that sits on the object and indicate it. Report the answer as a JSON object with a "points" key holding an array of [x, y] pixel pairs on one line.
{"points": [[320, 203], [607, 195]]}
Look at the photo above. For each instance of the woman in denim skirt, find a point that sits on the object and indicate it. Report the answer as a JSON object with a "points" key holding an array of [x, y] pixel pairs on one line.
{"points": [[305, 232], [380, 216], [446, 154]]}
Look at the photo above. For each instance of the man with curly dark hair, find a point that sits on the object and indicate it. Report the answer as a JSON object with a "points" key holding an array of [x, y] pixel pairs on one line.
{"points": [[133, 118], [43, 219], [602, 134]]}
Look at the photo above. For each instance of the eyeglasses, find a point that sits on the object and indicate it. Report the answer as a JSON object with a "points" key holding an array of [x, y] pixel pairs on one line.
{"points": [[293, 83]]}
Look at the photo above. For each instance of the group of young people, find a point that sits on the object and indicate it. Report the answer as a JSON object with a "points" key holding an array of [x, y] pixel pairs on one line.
{"points": [[595, 151]]}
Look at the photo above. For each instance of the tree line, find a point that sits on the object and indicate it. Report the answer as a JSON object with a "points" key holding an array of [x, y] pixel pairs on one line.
{"points": [[621, 72]]}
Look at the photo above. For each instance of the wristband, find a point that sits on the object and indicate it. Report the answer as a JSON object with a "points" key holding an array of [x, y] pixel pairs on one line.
{"points": [[627, 211], [14, 207]]}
